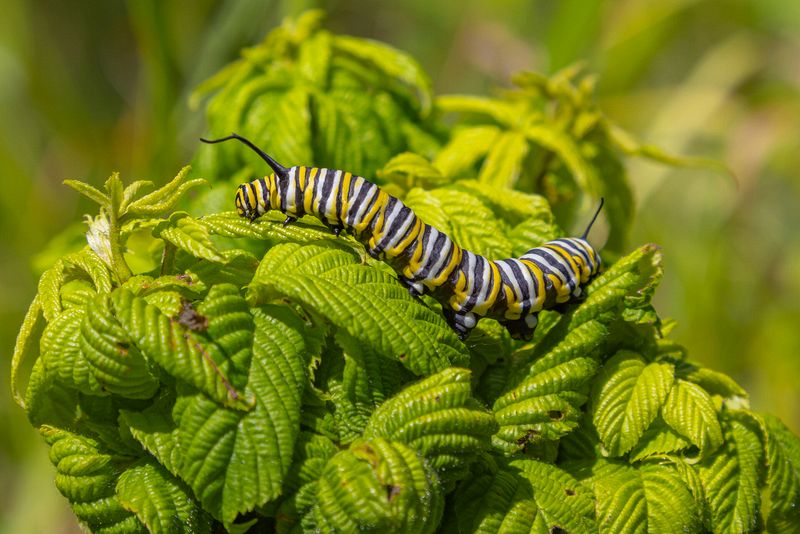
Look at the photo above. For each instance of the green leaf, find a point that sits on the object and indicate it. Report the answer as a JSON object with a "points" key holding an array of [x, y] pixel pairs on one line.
{"points": [[49, 290], [783, 476], [463, 217], [90, 192], [501, 111], [155, 429], [61, 352], [545, 405], [658, 440], [86, 475], [690, 411], [627, 397], [369, 304], [269, 228], [181, 352], [504, 160], [409, 170], [162, 199], [439, 418], [524, 496], [568, 152], [188, 235], [235, 461], [161, 502], [116, 365], [393, 64], [47, 400], [467, 145], [26, 346], [732, 477], [650, 498], [380, 486]]}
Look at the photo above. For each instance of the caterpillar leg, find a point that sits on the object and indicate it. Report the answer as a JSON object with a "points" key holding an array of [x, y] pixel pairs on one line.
{"points": [[523, 327], [461, 322], [415, 288], [289, 220]]}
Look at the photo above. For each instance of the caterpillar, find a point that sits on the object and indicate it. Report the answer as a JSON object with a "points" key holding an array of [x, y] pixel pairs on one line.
{"points": [[468, 286]]}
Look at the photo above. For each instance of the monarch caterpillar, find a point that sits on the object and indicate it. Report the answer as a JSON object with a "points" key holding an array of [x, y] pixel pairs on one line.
{"points": [[468, 285]]}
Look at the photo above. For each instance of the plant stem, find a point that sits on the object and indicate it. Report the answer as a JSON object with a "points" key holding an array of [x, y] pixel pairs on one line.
{"points": [[120, 266]]}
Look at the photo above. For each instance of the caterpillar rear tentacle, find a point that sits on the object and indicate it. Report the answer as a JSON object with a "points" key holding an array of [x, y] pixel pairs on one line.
{"points": [[468, 286]]}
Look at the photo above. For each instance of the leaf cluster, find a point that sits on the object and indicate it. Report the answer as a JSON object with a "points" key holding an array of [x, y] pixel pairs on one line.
{"points": [[210, 372]]}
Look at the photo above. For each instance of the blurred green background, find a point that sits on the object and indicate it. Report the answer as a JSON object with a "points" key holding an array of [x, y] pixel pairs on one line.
{"points": [[87, 88]]}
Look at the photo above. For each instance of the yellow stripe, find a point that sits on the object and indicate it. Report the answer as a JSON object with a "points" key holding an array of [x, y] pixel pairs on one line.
{"points": [[537, 273], [404, 244], [567, 256], [442, 278], [308, 192], [492, 298], [274, 194], [380, 204], [345, 186]]}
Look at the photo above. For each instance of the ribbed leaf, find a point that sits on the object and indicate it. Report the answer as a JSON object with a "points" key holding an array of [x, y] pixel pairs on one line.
{"points": [[783, 476], [439, 418], [160, 501], [658, 440], [368, 303], [162, 199], [409, 170], [651, 498], [270, 227], [564, 146], [189, 235], [26, 345], [626, 398], [47, 400], [503, 163], [61, 352], [114, 362], [545, 404], [524, 496], [732, 477], [463, 217], [504, 112], [690, 411], [88, 264], [86, 475], [713, 382], [89, 191], [49, 290], [465, 148], [393, 64], [181, 352], [156, 431], [378, 486], [236, 461]]}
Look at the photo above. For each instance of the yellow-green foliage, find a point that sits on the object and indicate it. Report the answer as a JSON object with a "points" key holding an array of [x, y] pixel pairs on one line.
{"points": [[236, 373]]}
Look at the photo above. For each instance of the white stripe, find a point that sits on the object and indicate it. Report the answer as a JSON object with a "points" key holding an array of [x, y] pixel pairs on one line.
{"points": [[291, 194], [331, 200]]}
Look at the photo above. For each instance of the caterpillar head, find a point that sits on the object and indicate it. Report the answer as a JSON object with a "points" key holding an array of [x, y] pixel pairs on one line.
{"points": [[247, 201]]}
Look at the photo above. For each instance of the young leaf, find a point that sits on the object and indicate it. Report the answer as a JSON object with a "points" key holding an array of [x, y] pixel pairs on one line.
{"points": [[465, 148], [439, 418], [86, 475], [160, 200], [116, 365], [181, 352], [379, 485], [409, 170], [90, 192], [650, 498], [155, 429], [503, 163], [368, 303], [690, 411], [235, 461], [524, 496], [732, 477], [783, 476], [26, 345], [627, 397], [161, 502], [189, 235]]}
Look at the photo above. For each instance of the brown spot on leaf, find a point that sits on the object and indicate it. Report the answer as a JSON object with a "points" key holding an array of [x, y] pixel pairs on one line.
{"points": [[392, 491], [192, 320], [569, 491]]}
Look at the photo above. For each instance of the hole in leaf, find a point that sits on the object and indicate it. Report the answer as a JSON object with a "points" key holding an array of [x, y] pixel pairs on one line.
{"points": [[529, 436], [392, 491], [556, 415], [555, 529], [569, 491]]}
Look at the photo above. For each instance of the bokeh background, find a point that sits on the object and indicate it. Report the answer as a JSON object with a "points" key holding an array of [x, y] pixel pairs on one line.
{"points": [[89, 87]]}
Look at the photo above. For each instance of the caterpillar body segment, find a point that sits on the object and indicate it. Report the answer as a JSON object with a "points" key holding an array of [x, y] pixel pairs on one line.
{"points": [[468, 285]]}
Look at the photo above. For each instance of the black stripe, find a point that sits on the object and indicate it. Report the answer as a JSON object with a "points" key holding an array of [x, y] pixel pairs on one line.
{"points": [[326, 191], [264, 194]]}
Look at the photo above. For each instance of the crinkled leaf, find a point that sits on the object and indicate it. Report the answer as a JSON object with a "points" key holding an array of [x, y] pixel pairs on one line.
{"points": [[160, 501], [89, 191], [26, 345], [524, 496], [732, 477], [627, 397], [235, 461], [379, 485], [86, 475], [368, 303], [783, 476], [189, 235], [183, 353], [409, 170], [465, 148], [162, 199], [439, 418], [504, 160], [114, 362], [690, 411]]}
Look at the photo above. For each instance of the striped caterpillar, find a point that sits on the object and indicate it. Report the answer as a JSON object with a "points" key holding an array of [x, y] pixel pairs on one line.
{"points": [[468, 285]]}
